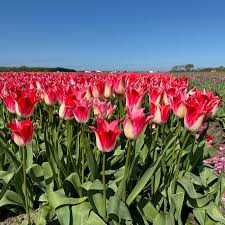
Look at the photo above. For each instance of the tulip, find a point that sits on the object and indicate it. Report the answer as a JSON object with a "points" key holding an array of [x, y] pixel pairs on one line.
{"points": [[9, 102], [178, 105], [133, 98], [82, 110], [119, 86], [106, 134], [160, 113], [194, 115], [135, 123], [155, 96], [24, 106], [108, 90], [22, 132], [50, 97], [66, 108]]}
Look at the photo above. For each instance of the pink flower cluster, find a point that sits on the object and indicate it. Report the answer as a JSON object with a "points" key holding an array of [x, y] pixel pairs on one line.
{"points": [[218, 161]]}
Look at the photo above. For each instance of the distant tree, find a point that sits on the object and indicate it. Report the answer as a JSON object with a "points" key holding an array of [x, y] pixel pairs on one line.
{"points": [[189, 67], [184, 67]]}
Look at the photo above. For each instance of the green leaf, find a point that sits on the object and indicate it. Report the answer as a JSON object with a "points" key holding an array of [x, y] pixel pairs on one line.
{"points": [[74, 179], [11, 198], [147, 209], [144, 180], [178, 200], [97, 201], [58, 198], [189, 187], [36, 174], [91, 161], [96, 185], [10, 155], [164, 219], [80, 213], [63, 215], [117, 208], [207, 176], [214, 212], [48, 175], [94, 219], [200, 215], [139, 143]]}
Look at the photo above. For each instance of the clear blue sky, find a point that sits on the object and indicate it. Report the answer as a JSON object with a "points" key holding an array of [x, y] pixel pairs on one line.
{"points": [[112, 34]]}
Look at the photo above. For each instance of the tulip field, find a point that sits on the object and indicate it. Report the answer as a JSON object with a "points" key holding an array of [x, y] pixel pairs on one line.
{"points": [[97, 148]]}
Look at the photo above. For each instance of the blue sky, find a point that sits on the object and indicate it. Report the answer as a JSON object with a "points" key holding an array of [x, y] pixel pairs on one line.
{"points": [[112, 34]]}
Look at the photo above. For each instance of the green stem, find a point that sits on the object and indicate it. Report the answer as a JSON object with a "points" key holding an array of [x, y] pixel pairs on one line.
{"points": [[126, 169], [82, 157], [25, 184], [104, 185], [69, 130], [154, 154], [121, 107], [179, 160], [190, 155]]}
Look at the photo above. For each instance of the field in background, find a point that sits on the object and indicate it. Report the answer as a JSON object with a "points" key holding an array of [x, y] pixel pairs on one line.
{"points": [[215, 82]]}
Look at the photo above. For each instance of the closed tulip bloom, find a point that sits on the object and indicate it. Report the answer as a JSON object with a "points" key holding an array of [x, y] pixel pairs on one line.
{"points": [[66, 108], [135, 123], [178, 105], [160, 113], [50, 97], [119, 86], [22, 132], [108, 89], [82, 110], [106, 134]]}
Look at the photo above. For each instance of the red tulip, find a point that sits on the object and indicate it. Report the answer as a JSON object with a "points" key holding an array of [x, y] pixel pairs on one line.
{"points": [[135, 123], [106, 134], [82, 110], [25, 103], [178, 104], [22, 132], [155, 95], [194, 115], [160, 113], [9, 102], [50, 97], [66, 108], [133, 98]]}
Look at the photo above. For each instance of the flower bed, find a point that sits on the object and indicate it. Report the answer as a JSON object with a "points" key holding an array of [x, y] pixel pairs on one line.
{"points": [[109, 148]]}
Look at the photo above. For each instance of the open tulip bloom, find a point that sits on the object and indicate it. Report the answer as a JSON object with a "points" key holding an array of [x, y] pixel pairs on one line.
{"points": [[106, 134], [135, 123], [22, 132]]}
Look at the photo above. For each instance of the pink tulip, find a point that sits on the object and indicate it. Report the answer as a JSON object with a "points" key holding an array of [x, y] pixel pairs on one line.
{"points": [[22, 132], [155, 95], [9, 102], [106, 134], [135, 123], [66, 108], [194, 115], [82, 110], [160, 113], [133, 98]]}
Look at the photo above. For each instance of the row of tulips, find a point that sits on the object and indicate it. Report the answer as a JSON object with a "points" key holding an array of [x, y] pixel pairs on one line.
{"points": [[155, 124]]}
